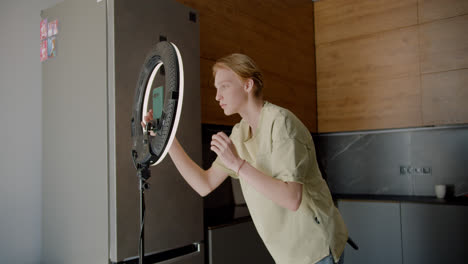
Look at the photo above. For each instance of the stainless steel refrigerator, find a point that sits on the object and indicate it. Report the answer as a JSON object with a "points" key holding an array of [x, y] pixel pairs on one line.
{"points": [[90, 188]]}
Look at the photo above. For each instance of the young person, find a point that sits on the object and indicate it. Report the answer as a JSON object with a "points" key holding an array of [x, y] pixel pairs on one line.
{"points": [[272, 154]]}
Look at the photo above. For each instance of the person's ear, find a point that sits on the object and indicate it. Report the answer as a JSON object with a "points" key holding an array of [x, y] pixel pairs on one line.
{"points": [[248, 85]]}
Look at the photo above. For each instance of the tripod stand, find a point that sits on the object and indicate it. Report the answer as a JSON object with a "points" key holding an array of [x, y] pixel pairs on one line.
{"points": [[143, 174]]}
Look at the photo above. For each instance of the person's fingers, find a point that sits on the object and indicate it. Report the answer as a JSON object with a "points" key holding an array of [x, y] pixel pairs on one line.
{"points": [[222, 142], [215, 149], [223, 136], [149, 116], [217, 144]]}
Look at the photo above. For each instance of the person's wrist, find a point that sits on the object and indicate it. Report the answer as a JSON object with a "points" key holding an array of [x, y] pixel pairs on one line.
{"points": [[241, 163]]}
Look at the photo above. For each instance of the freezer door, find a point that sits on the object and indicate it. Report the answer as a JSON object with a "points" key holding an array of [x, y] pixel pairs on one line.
{"points": [[192, 254], [174, 211]]}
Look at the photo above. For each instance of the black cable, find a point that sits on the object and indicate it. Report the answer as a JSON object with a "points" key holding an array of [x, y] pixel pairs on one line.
{"points": [[134, 154], [142, 223]]}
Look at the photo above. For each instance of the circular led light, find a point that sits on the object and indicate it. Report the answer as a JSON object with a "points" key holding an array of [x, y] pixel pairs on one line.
{"points": [[162, 62]]}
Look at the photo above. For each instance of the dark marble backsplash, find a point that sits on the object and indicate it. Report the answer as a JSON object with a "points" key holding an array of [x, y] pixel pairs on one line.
{"points": [[370, 162]]}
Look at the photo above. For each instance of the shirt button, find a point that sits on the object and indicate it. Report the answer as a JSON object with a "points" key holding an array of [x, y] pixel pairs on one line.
{"points": [[316, 220]]}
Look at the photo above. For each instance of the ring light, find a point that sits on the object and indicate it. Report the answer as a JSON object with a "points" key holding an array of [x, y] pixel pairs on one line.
{"points": [[164, 59], [152, 141]]}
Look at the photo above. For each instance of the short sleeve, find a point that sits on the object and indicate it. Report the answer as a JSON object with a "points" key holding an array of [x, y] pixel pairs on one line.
{"points": [[218, 163], [291, 160]]}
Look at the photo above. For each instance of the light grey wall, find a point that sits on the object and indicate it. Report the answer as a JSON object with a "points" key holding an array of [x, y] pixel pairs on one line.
{"points": [[20, 130]]}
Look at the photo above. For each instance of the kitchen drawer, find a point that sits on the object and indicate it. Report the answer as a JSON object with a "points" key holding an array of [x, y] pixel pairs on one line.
{"points": [[237, 243], [434, 233], [375, 227]]}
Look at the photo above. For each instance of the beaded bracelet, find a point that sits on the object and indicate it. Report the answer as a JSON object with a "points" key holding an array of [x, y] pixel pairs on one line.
{"points": [[242, 164]]}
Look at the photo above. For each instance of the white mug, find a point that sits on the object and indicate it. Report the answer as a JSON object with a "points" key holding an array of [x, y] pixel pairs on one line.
{"points": [[440, 190]]}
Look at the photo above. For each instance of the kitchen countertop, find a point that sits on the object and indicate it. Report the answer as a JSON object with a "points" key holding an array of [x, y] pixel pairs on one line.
{"points": [[225, 216], [462, 200], [230, 215]]}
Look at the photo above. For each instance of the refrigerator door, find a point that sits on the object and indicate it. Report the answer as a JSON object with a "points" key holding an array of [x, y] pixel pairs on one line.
{"points": [[74, 136], [174, 211]]}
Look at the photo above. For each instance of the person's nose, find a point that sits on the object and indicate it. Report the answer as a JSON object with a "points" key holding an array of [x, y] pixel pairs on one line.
{"points": [[218, 95]]}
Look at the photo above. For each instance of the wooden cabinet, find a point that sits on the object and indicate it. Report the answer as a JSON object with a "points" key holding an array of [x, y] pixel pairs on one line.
{"points": [[391, 64], [369, 88], [443, 34], [278, 35], [430, 10], [343, 65], [444, 74], [336, 20]]}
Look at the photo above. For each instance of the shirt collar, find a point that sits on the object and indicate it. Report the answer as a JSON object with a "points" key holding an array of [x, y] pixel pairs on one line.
{"points": [[245, 126]]}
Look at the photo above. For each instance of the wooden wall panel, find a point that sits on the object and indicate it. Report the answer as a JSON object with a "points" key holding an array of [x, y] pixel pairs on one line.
{"points": [[343, 19], [430, 10], [445, 97], [370, 82], [278, 35], [363, 56], [444, 44]]}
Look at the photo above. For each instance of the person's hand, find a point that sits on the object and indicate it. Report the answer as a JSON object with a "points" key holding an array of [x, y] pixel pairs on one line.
{"points": [[222, 145], [148, 118]]}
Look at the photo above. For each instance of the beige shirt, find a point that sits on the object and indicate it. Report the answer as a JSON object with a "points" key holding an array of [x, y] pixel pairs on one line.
{"points": [[282, 147]]}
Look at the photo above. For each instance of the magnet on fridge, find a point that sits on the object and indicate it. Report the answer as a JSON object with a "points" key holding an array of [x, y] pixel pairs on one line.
{"points": [[53, 28], [43, 32], [43, 50], [51, 47]]}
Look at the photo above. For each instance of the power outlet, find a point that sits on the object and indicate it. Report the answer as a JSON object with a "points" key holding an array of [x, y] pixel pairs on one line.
{"points": [[408, 169], [427, 170], [403, 170]]}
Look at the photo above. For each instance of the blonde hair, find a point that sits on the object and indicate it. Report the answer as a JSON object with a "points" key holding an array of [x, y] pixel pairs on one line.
{"points": [[244, 67]]}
